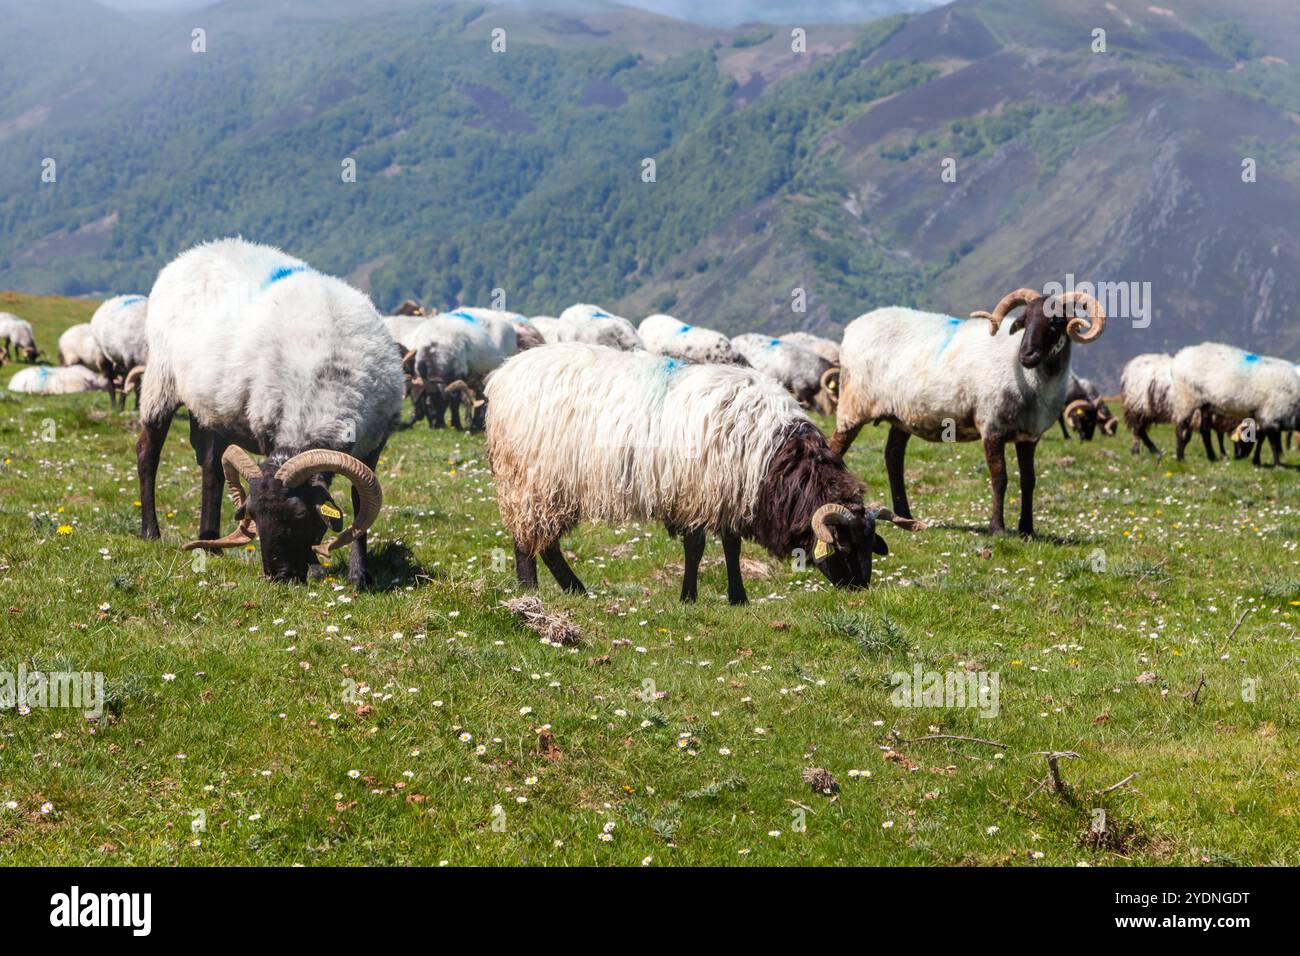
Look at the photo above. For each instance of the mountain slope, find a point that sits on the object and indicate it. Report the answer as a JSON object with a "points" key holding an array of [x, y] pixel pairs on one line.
{"points": [[778, 175]]}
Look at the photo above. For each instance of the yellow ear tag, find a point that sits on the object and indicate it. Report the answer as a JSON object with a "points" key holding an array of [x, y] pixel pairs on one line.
{"points": [[330, 511], [823, 550]]}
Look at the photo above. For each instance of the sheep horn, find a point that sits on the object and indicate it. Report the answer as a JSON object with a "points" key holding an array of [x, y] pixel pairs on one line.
{"points": [[1076, 406], [409, 357], [1110, 425], [1012, 300], [884, 514], [237, 464], [308, 463], [132, 378], [1077, 329], [827, 515], [831, 379]]}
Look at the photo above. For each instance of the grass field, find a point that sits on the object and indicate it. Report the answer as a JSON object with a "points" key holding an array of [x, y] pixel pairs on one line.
{"points": [[249, 723]]}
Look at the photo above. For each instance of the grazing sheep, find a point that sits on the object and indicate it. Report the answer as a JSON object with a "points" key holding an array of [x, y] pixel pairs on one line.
{"points": [[824, 347], [449, 348], [526, 335], [946, 379], [807, 376], [1221, 379], [57, 380], [1146, 391], [16, 334], [1085, 410], [586, 433], [276, 358], [589, 324], [118, 326], [664, 335], [78, 346]]}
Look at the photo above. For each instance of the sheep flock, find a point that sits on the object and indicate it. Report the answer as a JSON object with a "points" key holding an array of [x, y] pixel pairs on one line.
{"points": [[292, 378]]}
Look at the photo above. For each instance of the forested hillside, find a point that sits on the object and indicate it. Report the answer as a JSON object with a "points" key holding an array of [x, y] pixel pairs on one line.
{"points": [[774, 169]]}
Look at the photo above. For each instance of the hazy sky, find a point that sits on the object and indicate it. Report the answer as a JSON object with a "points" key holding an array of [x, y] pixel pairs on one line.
{"points": [[716, 12]]}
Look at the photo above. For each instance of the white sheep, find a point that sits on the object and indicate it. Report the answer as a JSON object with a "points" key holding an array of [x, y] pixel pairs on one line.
{"points": [[665, 335], [119, 328], [587, 433], [57, 380], [1146, 391], [948, 379], [273, 357], [78, 346], [595, 326], [16, 335], [1216, 379], [451, 348], [824, 347], [806, 375]]}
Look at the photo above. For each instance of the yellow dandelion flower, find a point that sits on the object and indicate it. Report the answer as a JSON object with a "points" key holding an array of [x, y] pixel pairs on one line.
{"points": [[65, 529]]}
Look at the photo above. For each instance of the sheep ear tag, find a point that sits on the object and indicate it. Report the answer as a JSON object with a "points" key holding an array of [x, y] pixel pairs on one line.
{"points": [[331, 515], [822, 550]]}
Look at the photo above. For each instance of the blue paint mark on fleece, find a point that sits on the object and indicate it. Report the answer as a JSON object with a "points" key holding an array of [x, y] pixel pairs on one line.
{"points": [[466, 316], [1250, 357], [671, 365], [952, 326], [283, 273], [131, 300], [43, 374], [683, 330], [773, 343]]}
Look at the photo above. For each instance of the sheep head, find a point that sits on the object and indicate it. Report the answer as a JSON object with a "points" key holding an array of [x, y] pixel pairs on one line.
{"points": [[1047, 322], [289, 508]]}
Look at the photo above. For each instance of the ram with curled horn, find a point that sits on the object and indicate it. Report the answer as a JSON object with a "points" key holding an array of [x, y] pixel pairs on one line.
{"points": [[314, 412], [947, 379]]}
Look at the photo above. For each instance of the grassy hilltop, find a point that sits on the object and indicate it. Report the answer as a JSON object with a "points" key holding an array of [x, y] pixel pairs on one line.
{"points": [[314, 725]]}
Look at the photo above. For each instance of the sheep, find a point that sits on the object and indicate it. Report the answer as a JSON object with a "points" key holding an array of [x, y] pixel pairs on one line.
{"points": [[589, 324], [77, 346], [824, 347], [272, 357], [1213, 378], [409, 308], [526, 335], [665, 335], [1085, 409], [942, 378], [450, 348], [587, 433], [1146, 392], [806, 375], [16, 335], [118, 327], [57, 380]]}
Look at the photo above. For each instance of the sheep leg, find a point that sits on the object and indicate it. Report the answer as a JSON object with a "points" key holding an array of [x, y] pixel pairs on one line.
{"points": [[1182, 435], [735, 583], [148, 449], [1025, 458], [436, 403], [1065, 432], [208, 449], [843, 438], [560, 569], [895, 450], [996, 458], [525, 568], [693, 547], [358, 576], [1222, 451], [1275, 445], [454, 405], [1146, 440], [1205, 435]]}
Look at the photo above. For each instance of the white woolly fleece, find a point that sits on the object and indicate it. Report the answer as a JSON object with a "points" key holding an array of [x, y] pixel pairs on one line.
{"points": [[922, 368], [77, 346], [798, 368], [1146, 387], [18, 332], [824, 347], [1237, 384], [402, 327], [57, 380], [665, 335], [258, 344], [586, 433], [451, 346], [119, 328]]}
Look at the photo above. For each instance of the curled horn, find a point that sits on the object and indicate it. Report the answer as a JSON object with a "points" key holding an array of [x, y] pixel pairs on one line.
{"points": [[308, 463], [464, 394], [1011, 300], [827, 515], [1077, 329], [1110, 425], [831, 379], [132, 378], [1075, 406], [408, 357], [237, 464], [884, 514]]}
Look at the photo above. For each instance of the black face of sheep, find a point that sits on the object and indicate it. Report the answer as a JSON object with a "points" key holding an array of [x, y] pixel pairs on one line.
{"points": [[846, 540], [1047, 322], [289, 508]]}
